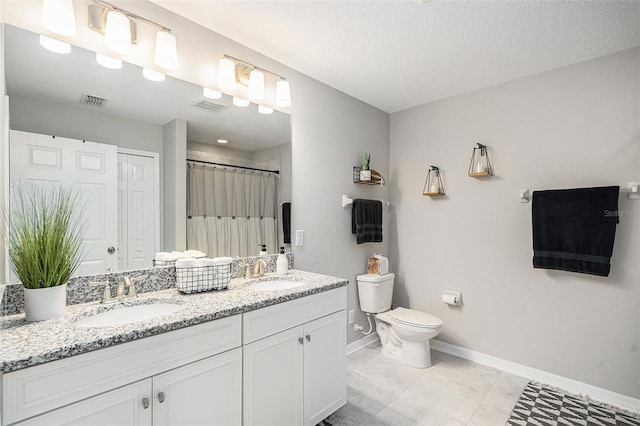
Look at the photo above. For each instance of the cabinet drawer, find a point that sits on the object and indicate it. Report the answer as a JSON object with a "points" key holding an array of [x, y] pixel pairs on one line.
{"points": [[34, 390], [273, 319]]}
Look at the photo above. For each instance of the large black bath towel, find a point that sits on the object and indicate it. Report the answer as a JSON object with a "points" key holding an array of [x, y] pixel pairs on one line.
{"points": [[366, 221], [574, 229], [286, 222]]}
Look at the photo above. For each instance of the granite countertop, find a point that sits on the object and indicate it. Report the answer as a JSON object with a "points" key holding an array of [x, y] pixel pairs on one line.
{"points": [[25, 344]]}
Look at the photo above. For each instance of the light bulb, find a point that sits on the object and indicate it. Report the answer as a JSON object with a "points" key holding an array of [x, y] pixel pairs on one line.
{"points": [[108, 61], [256, 84], [166, 52], [211, 94], [58, 17], [264, 109], [283, 93], [117, 33], [226, 74], [152, 75], [54, 45], [239, 102]]}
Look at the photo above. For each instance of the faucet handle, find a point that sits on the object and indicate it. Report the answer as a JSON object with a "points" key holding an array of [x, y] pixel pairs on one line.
{"points": [[247, 274], [106, 293]]}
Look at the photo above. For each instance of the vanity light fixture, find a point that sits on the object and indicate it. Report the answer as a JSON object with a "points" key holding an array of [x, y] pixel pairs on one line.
{"points": [[152, 75], [120, 32], [239, 102], [210, 93], [263, 109], [108, 61], [54, 45], [58, 17], [233, 70]]}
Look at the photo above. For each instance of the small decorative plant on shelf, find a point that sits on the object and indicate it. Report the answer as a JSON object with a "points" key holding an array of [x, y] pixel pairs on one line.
{"points": [[365, 172], [45, 245]]}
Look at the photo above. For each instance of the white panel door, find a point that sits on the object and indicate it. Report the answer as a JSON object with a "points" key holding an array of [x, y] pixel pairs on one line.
{"points": [[138, 211], [124, 406], [325, 367], [206, 393], [273, 381], [88, 165]]}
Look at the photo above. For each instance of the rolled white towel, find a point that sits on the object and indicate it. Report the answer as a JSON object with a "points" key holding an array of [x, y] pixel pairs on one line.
{"points": [[178, 254], [194, 253], [205, 262], [162, 255], [222, 260], [186, 263]]}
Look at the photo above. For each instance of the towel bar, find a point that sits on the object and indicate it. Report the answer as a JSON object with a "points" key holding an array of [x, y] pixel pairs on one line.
{"points": [[632, 191], [346, 201]]}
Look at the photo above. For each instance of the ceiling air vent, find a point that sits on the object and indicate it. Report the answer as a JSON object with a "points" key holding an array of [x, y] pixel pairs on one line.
{"points": [[95, 101], [209, 106]]}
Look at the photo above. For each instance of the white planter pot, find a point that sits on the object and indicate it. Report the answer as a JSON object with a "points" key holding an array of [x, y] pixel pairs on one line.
{"points": [[365, 175], [45, 303]]}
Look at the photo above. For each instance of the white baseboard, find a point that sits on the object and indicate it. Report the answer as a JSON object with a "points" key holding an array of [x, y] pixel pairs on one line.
{"points": [[361, 343], [573, 386]]}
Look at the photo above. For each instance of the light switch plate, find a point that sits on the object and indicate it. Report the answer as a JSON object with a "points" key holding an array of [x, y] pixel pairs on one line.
{"points": [[299, 237]]}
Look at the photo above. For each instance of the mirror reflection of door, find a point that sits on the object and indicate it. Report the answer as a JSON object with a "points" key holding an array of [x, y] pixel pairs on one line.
{"points": [[91, 167], [138, 209]]}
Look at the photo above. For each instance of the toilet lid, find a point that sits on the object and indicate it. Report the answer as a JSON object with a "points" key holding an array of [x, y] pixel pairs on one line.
{"points": [[415, 318]]}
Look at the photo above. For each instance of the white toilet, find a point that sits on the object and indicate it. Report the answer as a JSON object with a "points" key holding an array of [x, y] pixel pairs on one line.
{"points": [[404, 333]]}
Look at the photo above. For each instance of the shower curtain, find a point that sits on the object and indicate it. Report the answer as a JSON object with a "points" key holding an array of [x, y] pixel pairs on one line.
{"points": [[231, 212]]}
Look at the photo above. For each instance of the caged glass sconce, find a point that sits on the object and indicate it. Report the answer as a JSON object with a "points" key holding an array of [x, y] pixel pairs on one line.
{"points": [[480, 165], [433, 184]]}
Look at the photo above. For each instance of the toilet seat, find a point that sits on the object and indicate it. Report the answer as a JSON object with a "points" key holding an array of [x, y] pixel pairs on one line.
{"points": [[415, 318]]}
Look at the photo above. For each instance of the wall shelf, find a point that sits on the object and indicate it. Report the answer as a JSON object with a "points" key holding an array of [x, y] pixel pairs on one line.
{"points": [[481, 174], [432, 194], [375, 180]]}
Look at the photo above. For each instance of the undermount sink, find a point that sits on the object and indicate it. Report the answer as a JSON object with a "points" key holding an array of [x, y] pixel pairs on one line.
{"points": [[128, 315], [274, 285]]}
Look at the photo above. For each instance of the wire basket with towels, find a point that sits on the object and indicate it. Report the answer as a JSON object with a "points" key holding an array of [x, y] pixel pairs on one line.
{"points": [[198, 275]]}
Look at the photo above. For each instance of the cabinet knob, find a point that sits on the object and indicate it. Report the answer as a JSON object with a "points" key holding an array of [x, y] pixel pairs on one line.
{"points": [[308, 337], [161, 397], [145, 403], [300, 340]]}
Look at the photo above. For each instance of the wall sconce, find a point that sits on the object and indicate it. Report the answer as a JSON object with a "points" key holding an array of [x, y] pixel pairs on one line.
{"points": [[120, 33], [58, 17], [433, 184], [233, 70], [480, 165]]}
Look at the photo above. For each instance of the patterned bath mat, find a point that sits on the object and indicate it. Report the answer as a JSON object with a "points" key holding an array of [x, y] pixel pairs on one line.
{"points": [[542, 405]]}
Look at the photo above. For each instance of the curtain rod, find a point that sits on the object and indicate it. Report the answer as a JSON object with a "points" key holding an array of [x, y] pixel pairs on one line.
{"points": [[277, 172]]}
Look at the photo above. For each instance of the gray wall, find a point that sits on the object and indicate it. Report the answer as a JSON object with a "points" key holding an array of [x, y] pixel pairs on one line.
{"points": [[576, 126]]}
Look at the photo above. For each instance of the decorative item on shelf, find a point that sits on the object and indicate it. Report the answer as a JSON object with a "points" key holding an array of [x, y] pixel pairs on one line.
{"points": [[45, 245], [365, 173], [480, 165], [376, 178], [433, 184]]}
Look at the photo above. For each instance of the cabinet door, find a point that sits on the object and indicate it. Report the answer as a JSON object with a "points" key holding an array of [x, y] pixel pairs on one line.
{"points": [[325, 367], [207, 392], [124, 406], [272, 380]]}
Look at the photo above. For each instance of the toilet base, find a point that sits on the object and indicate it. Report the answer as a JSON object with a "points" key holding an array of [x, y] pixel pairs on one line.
{"points": [[412, 354]]}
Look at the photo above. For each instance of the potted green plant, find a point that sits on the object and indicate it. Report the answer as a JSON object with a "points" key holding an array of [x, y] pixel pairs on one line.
{"points": [[45, 245], [365, 172]]}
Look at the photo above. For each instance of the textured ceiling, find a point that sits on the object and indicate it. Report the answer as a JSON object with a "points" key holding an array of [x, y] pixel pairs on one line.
{"points": [[398, 54]]}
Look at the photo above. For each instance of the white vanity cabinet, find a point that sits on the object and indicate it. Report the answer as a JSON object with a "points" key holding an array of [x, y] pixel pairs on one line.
{"points": [[294, 360], [195, 371]]}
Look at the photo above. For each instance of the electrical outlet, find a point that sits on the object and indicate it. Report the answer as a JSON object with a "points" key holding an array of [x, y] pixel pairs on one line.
{"points": [[352, 316]]}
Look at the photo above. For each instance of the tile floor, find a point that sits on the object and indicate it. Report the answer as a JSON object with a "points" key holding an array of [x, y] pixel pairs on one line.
{"points": [[453, 391]]}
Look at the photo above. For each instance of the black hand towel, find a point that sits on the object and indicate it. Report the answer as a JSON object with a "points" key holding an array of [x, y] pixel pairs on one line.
{"points": [[366, 221], [574, 229], [286, 222]]}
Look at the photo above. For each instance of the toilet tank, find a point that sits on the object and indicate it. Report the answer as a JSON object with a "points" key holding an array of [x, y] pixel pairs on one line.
{"points": [[375, 292]]}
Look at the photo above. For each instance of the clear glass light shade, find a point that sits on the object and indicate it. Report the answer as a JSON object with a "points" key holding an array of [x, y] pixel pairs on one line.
{"points": [[54, 45], [152, 75], [226, 74], [58, 17], [166, 52], [117, 33], [283, 93], [256, 84], [108, 61], [239, 102], [262, 109], [211, 93]]}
